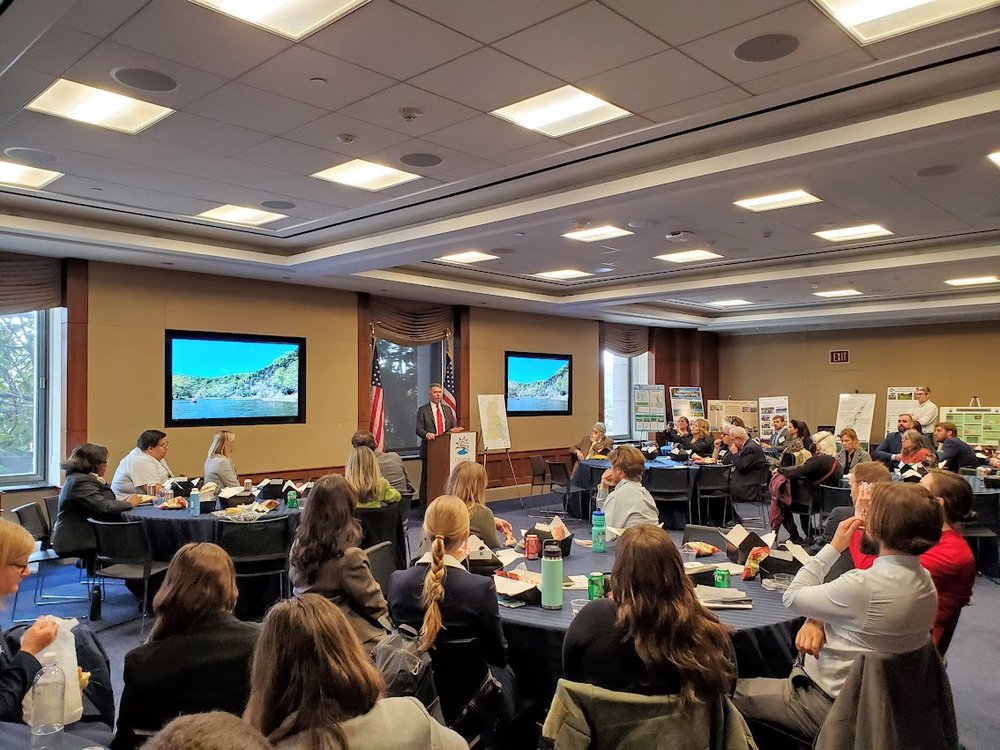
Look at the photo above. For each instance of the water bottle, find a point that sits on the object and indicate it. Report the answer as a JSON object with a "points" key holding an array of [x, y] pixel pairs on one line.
{"points": [[194, 503], [48, 695], [552, 575], [598, 531]]}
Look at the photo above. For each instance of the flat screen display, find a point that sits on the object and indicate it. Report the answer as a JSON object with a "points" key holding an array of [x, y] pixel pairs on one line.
{"points": [[224, 378], [538, 384]]}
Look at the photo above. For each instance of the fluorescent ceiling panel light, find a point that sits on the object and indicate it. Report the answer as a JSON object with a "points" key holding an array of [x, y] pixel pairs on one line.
{"points": [[561, 111], [241, 215], [973, 280], [873, 20], [853, 233], [469, 256], [19, 175], [995, 158], [366, 175], [75, 101], [839, 293], [778, 200], [688, 256], [595, 234], [729, 303], [292, 19], [564, 274]]}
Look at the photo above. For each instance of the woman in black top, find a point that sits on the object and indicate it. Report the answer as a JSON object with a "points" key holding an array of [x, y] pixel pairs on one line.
{"points": [[807, 479], [702, 442]]}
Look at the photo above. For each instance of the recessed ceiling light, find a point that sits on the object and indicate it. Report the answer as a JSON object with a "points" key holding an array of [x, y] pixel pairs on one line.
{"points": [[973, 280], [469, 256], [565, 273], [853, 233], [595, 234], [20, 175], [995, 158], [366, 175], [838, 293], [688, 256], [75, 101], [293, 19], [729, 303], [872, 20], [778, 200], [240, 215], [561, 111]]}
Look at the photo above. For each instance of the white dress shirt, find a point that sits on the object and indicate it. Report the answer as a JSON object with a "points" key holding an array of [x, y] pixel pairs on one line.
{"points": [[628, 504], [927, 414], [136, 469], [888, 609]]}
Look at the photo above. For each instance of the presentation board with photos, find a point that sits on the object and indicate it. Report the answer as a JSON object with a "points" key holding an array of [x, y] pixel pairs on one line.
{"points": [[722, 412], [856, 410], [977, 425], [649, 408], [686, 401], [769, 407], [899, 399]]}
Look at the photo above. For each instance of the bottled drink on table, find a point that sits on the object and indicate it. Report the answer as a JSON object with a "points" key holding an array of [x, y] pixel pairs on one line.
{"points": [[552, 575], [598, 531], [248, 485], [194, 503], [48, 696]]}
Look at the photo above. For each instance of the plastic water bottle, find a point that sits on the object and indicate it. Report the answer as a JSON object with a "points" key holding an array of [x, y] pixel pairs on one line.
{"points": [[552, 575], [194, 503], [598, 531], [48, 696]]}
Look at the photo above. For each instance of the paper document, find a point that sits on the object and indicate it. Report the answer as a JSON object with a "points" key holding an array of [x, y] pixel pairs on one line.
{"points": [[711, 592], [576, 582], [507, 556], [691, 568], [510, 587], [230, 492]]}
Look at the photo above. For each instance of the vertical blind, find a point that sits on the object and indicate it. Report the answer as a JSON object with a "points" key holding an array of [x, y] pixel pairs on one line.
{"points": [[28, 283]]}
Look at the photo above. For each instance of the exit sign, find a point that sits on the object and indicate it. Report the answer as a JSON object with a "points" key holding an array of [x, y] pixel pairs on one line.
{"points": [[840, 356]]}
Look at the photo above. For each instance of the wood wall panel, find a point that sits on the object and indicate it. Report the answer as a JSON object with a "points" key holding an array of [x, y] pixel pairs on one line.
{"points": [[77, 302], [680, 356]]}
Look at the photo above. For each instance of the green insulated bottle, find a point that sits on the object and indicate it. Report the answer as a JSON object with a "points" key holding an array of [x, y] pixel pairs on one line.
{"points": [[598, 531], [552, 575]]}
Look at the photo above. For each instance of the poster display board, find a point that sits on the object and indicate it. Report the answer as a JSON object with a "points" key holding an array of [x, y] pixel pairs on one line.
{"points": [[767, 408], [977, 425], [722, 412], [686, 401], [856, 410], [649, 408], [493, 421], [899, 399]]}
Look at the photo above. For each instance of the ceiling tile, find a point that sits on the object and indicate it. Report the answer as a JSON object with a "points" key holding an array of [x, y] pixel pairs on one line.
{"points": [[57, 49], [20, 86], [202, 134], [654, 81], [485, 135], [289, 74], [100, 17], [697, 105], [390, 39], [581, 42], [451, 160], [510, 80], [324, 132], [488, 20], [196, 36], [252, 108], [268, 179], [112, 193], [680, 21], [608, 130], [814, 73], [382, 109], [548, 147], [291, 156]]}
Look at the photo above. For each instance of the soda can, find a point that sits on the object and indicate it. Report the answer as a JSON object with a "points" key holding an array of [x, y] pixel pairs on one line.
{"points": [[532, 546], [292, 500], [595, 586], [721, 578]]}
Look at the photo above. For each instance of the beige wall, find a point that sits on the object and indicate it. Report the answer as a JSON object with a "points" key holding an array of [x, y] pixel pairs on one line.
{"points": [[492, 332], [129, 309], [957, 361]]}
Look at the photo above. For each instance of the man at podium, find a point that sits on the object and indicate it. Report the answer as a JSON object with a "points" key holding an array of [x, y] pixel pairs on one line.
{"points": [[433, 418]]}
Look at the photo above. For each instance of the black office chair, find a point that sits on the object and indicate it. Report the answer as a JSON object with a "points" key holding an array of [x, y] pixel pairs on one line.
{"points": [[258, 548], [984, 531], [712, 483], [383, 524], [669, 487], [538, 471], [51, 509], [833, 497], [405, 505], [382, 561], [559, 484], [469, 694]]}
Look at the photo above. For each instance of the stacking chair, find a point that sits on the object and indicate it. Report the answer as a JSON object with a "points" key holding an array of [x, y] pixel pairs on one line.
{"points": [[405, 505], [469, 699], [559, 483], [384, 524], [258, 548], [984, 531], [669, 487], [538, 474], [712, 483], [833, 497], [382, 561], [51, 509]]}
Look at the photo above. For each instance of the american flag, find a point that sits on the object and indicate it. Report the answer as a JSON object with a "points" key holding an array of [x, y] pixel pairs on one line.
{"points": [[376, 420], [449, 381]]}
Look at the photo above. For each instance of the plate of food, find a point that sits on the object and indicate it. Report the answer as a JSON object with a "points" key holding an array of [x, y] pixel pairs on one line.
{"points": [[177, 503]]}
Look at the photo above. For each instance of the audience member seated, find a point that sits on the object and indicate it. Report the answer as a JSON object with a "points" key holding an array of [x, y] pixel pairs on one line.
{"points": [[851, 453], [721, 448], [702, 441], [85, 495], [596, 445], [806, 480], [198, 654], [363, 474], [215, 730], [926, 411], [888, 609], [219, 463], [315, 687], [622, 497], [144, 468], [679, 434], [889, 450], [914, 457], [652, 636], [780, 435], [468, 483], [390, 464], [325, 559], [749, 462], [954, 453]]}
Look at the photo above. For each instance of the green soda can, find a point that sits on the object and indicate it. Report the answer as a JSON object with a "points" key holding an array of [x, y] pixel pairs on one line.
{"points": [[595, 586], [293, 499], [721, 578]]}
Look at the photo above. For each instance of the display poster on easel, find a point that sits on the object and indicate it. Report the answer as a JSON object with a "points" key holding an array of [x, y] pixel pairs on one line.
{"points": [[686, 401], [722, 412], [493, 420], [977, 425], [649, 408], [769, 407], [856, 410], [899, 399]]}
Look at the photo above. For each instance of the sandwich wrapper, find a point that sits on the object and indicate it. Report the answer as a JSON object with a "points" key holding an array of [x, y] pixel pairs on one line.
{"points": [[555, 529], [789, 560], [714, 598], [481, 558], [271, 489], [740, 541], [181, 486]]}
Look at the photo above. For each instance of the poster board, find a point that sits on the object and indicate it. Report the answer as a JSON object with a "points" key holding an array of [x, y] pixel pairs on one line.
{"points": [[649, 408], [721, 412], [686, 401], [493, 421], [899, 399], [856, 410], [977, 425], [769, 407]]}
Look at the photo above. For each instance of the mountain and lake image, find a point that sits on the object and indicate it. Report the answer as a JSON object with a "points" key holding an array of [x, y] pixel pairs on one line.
{"points": [[537, 385]]}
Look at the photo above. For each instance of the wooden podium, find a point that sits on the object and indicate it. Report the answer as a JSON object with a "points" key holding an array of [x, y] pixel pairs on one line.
{"points": [[443, 453]]}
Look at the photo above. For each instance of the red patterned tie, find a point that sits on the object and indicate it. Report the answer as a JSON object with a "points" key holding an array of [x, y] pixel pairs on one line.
{"points": [[440, 420]]}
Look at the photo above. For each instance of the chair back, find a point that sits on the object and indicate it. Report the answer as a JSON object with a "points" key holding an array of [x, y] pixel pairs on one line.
{"points": [[52, 509], [383, 524], [965, 471], [559, 473], [405, 505], [712, 478], [709, 534], [537, 467], [121, 542], [459, 670], [667, 481], [834, 497], [987, 508], [382, 561], [255, 541], [31, 518]]}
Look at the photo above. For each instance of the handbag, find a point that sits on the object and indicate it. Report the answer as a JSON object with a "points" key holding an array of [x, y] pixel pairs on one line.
{"points": [[406, 669]]}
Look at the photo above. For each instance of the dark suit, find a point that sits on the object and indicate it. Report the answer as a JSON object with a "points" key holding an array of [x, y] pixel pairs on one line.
{"points": [[83, 496], [889, 447], [17, 671], [426, 423], [748, 471], [204, 669]]}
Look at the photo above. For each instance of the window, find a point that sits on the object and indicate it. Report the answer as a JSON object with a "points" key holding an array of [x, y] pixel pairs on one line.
{"points": [[407, 374], [620, 374], [23, 398]]}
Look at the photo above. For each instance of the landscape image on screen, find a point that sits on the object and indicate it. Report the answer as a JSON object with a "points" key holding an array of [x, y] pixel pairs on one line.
{"points": [[537, 384], [217, 380]]}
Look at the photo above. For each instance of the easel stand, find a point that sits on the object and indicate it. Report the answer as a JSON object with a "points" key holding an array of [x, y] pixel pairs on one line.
{"points": [[513, 475]]}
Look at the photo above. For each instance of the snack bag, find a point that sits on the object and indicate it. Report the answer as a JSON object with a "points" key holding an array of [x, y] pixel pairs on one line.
{"points": [[703, 549], [752, 566]]}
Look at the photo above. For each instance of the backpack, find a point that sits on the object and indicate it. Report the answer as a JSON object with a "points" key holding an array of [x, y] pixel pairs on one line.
{"points": [[406, 669]]}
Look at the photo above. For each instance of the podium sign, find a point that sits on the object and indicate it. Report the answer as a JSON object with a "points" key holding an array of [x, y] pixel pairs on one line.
{"points": [[443, 454]]}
